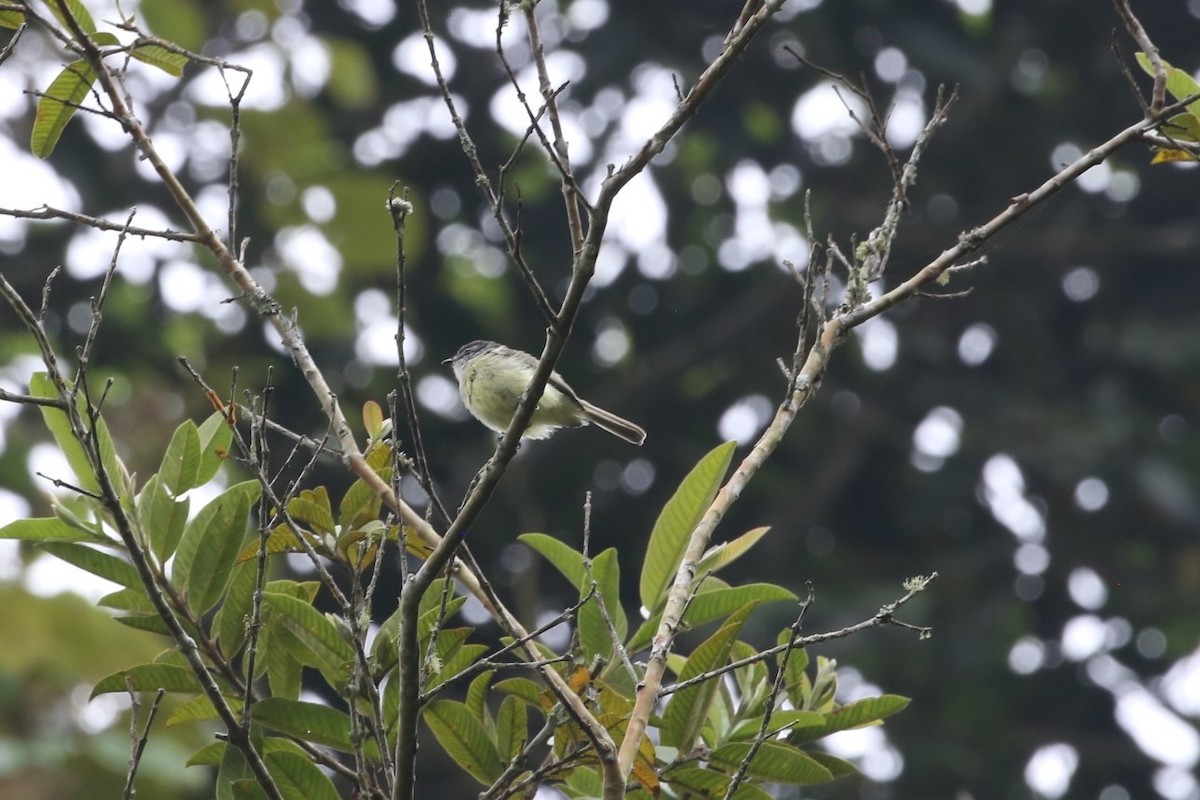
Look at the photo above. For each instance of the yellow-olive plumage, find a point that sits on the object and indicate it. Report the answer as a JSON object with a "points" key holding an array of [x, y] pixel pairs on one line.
{"points": [[492, 378]]}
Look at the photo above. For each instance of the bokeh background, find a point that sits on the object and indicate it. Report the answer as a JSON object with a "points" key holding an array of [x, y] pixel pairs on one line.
{"points": [[1035, 442]]}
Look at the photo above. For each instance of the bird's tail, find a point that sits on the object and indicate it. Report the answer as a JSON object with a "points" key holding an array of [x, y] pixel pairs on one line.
{"points": [[607, 421]]}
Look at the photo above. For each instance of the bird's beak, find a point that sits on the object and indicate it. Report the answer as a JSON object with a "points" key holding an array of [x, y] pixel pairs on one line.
{"points": [[447, 360]]}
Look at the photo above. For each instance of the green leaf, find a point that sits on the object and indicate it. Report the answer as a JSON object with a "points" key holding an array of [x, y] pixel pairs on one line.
{"points": [[838, 767], [145, 622], [155, 55], [149, 678], [710, 783], [561, 556], [229, 624], [322, 642], [785, 719], [594, 633], [688, 708], [360, 504], [311, 507], [11, 19], [512, 728], [298, 778], [477, 693], [161, 517], [89, 559], [1179, 83], [200, 709], [45, 529], [40, 385], [208, 756], [77, 11], [310, 722], [215, 438], [708, 606], [774, 761], [724, 554], [135, 600], [523, 689], [181, 463], [463, 737], [868, 711], [284, 671], [210, 545], [55, 108], [1184, 127], [675, 524]]}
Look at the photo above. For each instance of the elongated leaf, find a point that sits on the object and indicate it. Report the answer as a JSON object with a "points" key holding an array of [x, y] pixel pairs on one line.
{"points": [[149, 678], [58, 105], [868, 711], [11, 19], [710, 605], [161, 517], [512, 728], [523, 689], [312, 508], [462, 658], [155, 55], [210, 755], [215, 438], [477, 694], [145, 622], [310, 722], [229, 624], [40, 385], [284, 670], [298, 778], [324, 647], [78, 12], [44, 529], [1179, 83], [677, 521], [280, 539], [360, 504], [134, 600], [210, 544], [561, 556], [181, 463], [774, 762], [200, 709], [89, 559], [710, 783], [687, 709], [462, 735], [724, 554], [594, 633]]}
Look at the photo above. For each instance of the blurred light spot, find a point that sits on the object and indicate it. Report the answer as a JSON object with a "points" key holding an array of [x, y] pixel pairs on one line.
{"points": [[411, 57], [905, 120], [643, 299], [1176, 784], [1086, 588], [306, 251], [250, 26], [376, 13], [1172, 427], [846, 403], [1003, 489], [938, 435], [612, 344], [879, 342], [1181, 684], [310, 62], [47, 576], [1031, 559], [182, 285], [96, 714], [441, 396], [1026, 655], [267, 92], [706, 189], [890, 64], [1152, 643], [319, 203], [942, 208], [1051, 768], [1091, 494], [785, 181], [1083, 637], [976, 8], [610, 263], [1113, 792], [586, 15], [976, 343], [557, 637], [1158, 732], [445, 202], [1123, 187], [743, 420], [638, 476], [1081, 284], [1030, 71], [657, 262]]}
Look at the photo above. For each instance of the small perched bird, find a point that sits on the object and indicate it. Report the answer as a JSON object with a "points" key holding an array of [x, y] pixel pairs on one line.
{"points": [[492, 378]]}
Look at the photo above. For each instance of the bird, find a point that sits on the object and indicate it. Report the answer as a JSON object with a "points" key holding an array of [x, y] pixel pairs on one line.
{"points": [[492, 378]]}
